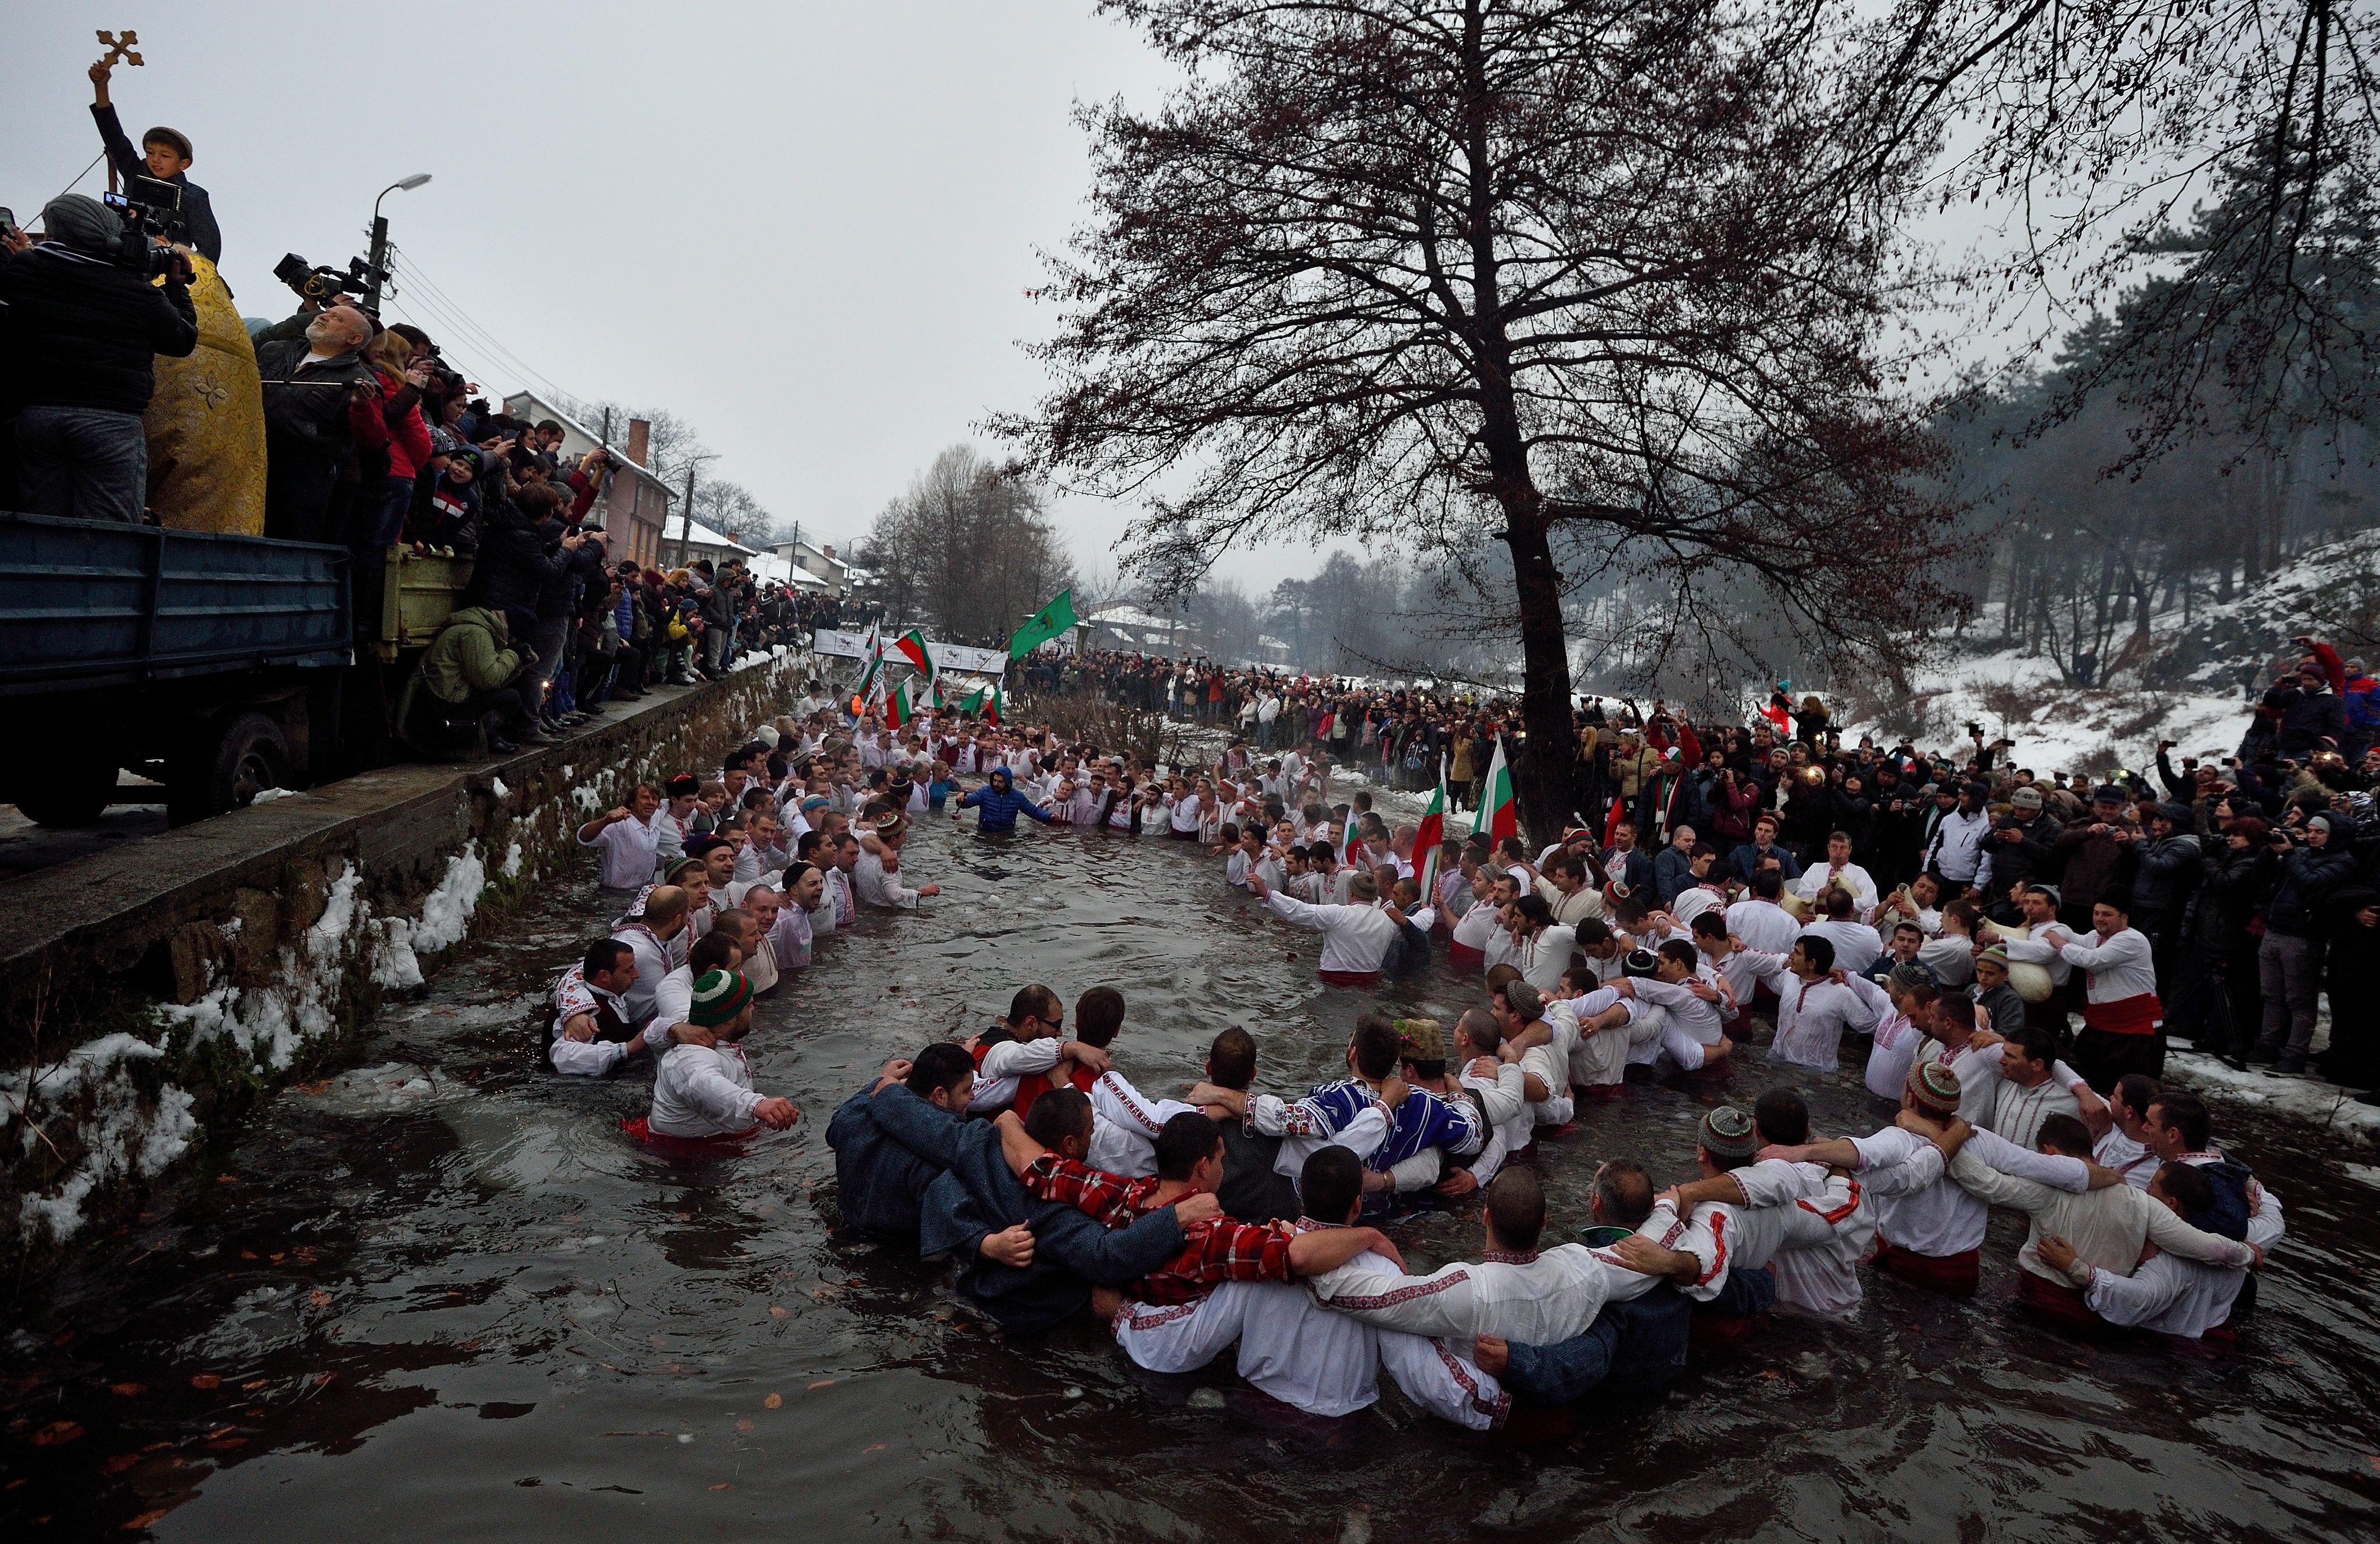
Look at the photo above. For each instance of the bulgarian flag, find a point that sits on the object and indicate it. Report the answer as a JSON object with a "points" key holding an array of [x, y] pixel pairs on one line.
{"points": [[983, 700], [1429, 838], [871, 682], [912, 645], [1351, 849], [898, 708], [1498, 816]]}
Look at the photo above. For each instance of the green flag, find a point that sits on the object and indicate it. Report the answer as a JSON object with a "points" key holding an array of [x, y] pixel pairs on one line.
{"points": [[985, 701], [1049, 623]]}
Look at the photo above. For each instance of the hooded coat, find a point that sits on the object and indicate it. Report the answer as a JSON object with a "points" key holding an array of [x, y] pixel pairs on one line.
{"points": [[472, 653]]}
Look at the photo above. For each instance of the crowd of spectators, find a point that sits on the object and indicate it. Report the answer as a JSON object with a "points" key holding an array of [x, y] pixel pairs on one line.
{"points": [[2252, 869], [369, 439]]}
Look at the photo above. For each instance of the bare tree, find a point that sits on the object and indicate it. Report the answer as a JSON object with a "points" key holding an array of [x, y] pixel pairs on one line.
{"points": [[1452, 272], [966, 550], [2100, 124]]}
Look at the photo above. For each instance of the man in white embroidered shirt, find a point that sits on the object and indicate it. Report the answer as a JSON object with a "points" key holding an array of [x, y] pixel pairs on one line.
{"points": [[1514, 1293], [705, 1091], [1355, 936]]}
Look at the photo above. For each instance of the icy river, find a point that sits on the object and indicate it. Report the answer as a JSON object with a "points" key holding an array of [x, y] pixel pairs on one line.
{"points": [[439, 1295]]}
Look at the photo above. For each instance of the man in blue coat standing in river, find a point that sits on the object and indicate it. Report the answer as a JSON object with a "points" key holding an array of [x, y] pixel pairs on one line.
{"points": [[998, 803]]}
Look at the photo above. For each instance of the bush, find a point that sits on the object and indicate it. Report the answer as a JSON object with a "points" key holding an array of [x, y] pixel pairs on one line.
{"points": [[1087, 719]]}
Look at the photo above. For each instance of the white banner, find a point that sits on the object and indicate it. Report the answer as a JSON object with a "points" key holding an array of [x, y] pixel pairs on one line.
{"points": [[954, 658]]}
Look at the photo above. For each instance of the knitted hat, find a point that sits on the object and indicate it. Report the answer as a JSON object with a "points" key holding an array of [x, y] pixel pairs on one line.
{"points": [[1998, 954], [1422, 1040], [1934, 1088], [719, 996], [2027, 798], [1727, 1133], [1909, 973], [767, 735]]}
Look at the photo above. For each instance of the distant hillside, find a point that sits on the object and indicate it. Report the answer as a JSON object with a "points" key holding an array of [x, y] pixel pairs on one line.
{"points": [[2191, 684]]}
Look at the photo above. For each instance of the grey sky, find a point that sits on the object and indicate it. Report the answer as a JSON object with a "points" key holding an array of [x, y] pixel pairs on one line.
{"points": [[810, 227], [807, 227]]}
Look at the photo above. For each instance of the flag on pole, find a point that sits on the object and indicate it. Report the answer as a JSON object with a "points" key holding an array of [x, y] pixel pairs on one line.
{"points": [[912, 645], [1427, 837], [1047, 622], [984, 701], [898, 708], [1497, 815], [871, 674], [1351, 849]]}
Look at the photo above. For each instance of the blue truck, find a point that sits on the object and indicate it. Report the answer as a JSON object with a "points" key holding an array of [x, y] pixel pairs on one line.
{"points": [[217, 665]]}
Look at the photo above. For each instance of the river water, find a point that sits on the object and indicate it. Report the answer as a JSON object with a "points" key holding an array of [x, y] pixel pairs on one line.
{"points": [[439, 1295]]}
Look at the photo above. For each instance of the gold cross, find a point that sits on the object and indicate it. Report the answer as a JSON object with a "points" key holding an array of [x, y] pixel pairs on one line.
{"points": [[120, 48]]}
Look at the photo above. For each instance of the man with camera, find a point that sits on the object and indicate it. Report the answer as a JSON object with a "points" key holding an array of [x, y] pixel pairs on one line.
{"points": [[165, 155], [81, 324], [322, 401]]}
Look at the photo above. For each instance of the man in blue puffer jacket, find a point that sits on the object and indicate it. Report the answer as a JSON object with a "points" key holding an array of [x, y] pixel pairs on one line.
{"points": [[998, 803]]}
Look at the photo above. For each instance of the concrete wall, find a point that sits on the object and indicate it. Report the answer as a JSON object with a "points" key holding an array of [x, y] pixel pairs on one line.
{"points": [[161, 988]]}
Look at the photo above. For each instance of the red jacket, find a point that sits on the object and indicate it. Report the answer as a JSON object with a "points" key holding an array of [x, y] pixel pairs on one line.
{"points": [[407, 436]]}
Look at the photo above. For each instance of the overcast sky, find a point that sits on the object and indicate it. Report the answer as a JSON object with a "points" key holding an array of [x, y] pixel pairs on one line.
{"points": [[807, 227]]}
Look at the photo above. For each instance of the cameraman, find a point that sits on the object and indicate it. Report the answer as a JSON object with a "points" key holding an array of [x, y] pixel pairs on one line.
{"points": [[322, 401], [76, 338]]}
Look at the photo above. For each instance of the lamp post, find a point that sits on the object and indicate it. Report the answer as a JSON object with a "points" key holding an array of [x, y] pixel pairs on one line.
{"points": [[380, 239]]}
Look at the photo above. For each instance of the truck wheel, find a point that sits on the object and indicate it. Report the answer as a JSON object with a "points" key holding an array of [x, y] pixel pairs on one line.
{"points": [[231, 763]]}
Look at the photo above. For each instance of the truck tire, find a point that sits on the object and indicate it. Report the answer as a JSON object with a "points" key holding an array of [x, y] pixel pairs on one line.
{"points": [[226, 764]]}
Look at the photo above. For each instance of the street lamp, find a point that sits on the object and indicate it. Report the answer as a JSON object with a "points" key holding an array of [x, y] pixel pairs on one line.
{"points": [[380, 239]]}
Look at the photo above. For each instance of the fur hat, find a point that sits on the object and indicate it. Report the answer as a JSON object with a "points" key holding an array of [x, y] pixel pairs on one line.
{"points": [[1934, 1088], [1728, 1132], [719, 996], [1422, 1039]]}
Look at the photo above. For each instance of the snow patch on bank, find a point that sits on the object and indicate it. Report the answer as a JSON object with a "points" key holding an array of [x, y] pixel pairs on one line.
{"points": [[2307, 1099], [445, 917], [116, 1137]]}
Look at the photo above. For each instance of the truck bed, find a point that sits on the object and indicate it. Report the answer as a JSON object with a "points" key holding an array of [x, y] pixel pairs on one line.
{"points": [[87, 604]]}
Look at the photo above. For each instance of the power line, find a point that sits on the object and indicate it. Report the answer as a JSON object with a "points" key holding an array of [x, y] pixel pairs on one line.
{"points": [[455, 322], [462, 319]]}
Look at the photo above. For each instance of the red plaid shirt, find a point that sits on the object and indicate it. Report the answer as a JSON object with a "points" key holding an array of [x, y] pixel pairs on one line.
{"points": [[1215, 1252]]}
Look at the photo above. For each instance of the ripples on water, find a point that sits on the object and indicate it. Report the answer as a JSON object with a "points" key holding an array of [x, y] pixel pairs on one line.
{"points": [[445, 1298]]}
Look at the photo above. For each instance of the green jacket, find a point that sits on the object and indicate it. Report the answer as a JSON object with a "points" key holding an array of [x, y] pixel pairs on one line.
{"points": [[470, 653]]}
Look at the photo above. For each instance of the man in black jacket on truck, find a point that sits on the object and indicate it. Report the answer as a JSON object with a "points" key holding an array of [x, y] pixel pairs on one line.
{"points": [[77, 340]]}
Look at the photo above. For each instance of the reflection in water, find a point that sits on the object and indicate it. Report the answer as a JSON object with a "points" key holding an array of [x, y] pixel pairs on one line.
{"points": [[472, 1307]]}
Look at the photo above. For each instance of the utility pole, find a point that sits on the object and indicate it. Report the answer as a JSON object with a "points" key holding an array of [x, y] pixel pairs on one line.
{"points": [[373, 265], [685, 519]]}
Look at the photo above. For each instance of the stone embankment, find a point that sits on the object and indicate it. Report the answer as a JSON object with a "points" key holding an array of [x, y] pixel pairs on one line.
{"points": [[152, 994]]}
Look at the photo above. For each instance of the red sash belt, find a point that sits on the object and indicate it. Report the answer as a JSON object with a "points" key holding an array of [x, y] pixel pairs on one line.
{"points": [[2136, 1015], [689, 1147], [1951, 1275], [1351, 978]]}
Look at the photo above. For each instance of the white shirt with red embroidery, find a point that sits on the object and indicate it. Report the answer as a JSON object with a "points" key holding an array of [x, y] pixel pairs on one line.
{"points": [[1533, 1297]]}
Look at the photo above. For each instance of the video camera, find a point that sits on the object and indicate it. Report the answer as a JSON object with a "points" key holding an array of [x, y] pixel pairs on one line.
{"points": [[151, 212], [321, 284]]}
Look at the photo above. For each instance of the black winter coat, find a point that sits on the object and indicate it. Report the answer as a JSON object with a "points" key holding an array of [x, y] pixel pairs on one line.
{"points": [[78, 331], [515, 561]]}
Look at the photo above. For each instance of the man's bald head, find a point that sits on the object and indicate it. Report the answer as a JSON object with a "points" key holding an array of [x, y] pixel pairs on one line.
{"points": [[345, 325]]}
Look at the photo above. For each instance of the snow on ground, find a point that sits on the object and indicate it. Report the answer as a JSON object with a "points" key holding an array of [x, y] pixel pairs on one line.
{"points": [[2063, 728], [2324, 1105], [2187, 687]]}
